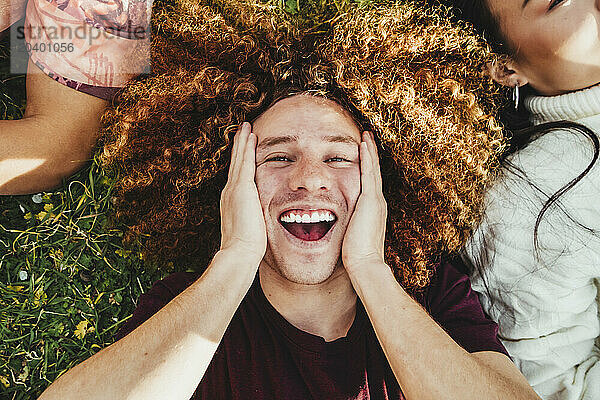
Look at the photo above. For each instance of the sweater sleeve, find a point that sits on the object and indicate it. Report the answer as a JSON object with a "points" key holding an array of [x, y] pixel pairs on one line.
{"points": [[545, 300]]}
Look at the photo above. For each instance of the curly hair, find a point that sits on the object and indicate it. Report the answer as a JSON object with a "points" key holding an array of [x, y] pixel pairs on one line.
{"points": [[408, 75]]}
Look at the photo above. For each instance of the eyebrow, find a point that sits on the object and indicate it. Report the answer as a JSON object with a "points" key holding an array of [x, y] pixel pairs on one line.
{"points": [[341, 139], [272, 141], [524, 4]]}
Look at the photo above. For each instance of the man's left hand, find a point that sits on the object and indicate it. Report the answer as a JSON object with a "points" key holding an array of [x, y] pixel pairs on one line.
{"points": [[364, 239]]}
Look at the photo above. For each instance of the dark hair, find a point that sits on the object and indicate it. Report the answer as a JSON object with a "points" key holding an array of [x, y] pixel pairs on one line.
{"points": [[478, 14], [519, 130]]}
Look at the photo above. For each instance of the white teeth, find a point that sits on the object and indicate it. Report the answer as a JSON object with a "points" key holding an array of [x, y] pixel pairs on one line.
{"points": [[308, 217], [315, 217]]}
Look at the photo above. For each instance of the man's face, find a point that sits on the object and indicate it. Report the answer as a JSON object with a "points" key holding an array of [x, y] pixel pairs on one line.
{"points": [[308, 181]]}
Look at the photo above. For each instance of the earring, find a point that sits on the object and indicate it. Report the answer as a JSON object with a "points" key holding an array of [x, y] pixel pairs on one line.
{"points": [[515, 96]]}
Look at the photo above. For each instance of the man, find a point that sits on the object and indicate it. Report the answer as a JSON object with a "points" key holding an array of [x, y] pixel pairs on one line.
{"points": [[298, 302]]}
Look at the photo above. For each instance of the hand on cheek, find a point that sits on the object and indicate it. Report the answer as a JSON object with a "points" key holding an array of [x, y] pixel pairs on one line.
{"points": [[242, 219], [364, 239]]}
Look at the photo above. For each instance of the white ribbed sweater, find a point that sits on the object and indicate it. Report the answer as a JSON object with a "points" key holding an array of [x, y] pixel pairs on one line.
{"points": [[547, 307]]}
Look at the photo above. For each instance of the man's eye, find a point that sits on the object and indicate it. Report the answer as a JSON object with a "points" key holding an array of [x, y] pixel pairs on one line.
{"points": [[337, 159], [278, 158], [554, 3]]}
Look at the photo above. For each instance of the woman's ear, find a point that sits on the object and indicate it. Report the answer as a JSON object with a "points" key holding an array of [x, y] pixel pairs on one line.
{"points": [[506, 73]]}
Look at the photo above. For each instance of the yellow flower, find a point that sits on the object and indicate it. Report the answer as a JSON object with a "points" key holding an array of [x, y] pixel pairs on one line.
{"points": [[4, 380], [39, 297], [123, 253], [82, 329]]}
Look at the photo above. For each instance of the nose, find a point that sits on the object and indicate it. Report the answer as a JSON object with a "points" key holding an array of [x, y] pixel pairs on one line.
{"points": [[310, 175]]}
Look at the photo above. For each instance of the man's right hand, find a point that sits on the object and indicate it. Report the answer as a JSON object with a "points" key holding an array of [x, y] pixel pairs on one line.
{"points": [[242, 220]]}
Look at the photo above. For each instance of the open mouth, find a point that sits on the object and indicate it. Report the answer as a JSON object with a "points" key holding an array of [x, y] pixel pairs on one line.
{"points": [[308, 225]]}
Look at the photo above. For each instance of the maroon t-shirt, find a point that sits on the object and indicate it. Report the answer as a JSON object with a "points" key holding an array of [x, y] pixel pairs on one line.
{"points": [[263, 356]]}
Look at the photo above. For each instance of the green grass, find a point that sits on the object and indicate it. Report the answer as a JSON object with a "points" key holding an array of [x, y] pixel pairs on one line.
{"points": [[12, 87], [66, 281]]}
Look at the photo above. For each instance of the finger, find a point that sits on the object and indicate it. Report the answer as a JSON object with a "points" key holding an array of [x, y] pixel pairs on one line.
{"points": [[375, 158], [239, 143], [242, 141], [234, 151], [367, 180], [376, 172], [248, 167]]}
